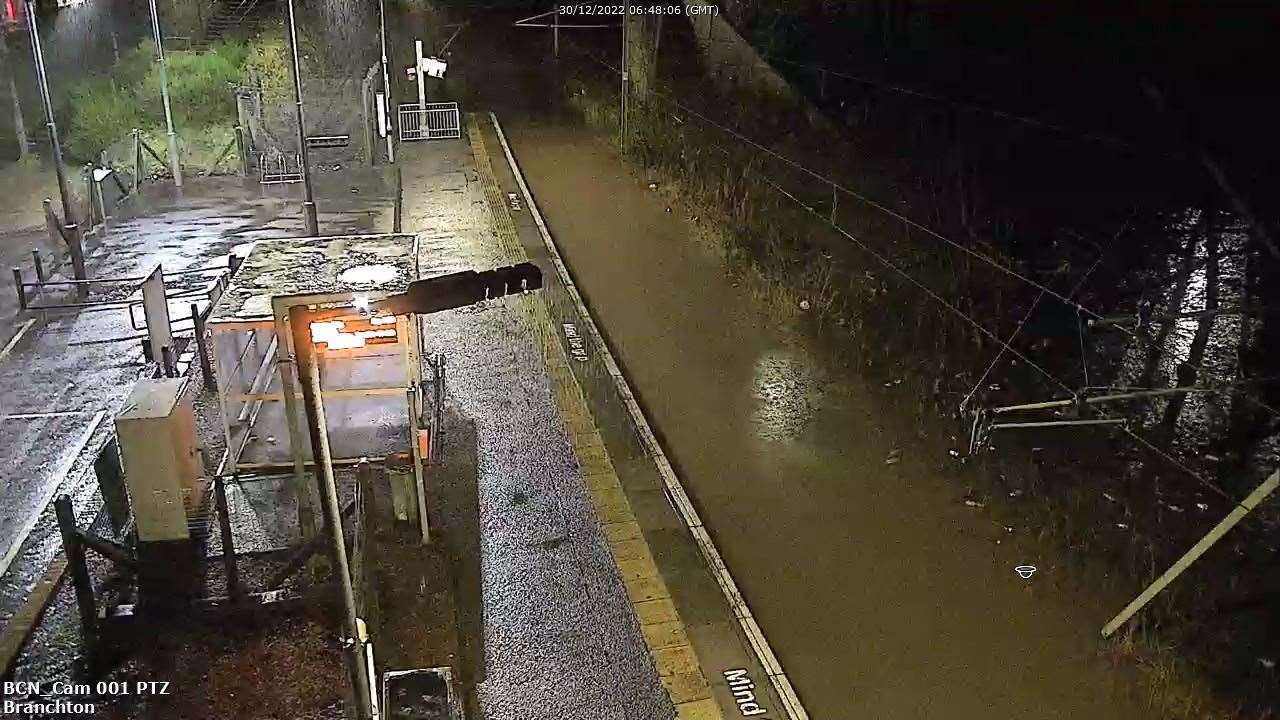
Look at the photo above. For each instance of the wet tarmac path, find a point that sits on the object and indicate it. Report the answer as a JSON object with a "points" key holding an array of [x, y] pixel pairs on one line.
{"points": [[62, 382], [884, 595]]}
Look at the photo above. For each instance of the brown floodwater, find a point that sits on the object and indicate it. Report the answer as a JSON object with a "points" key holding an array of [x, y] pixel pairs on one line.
{"points": [[883, 593]]}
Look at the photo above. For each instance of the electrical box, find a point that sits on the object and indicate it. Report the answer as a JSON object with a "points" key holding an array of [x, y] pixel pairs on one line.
{"points": [[156, 430]]}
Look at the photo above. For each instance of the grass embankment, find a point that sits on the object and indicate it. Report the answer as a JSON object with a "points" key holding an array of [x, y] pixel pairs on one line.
{"points": [[104, 109], [875, 320]]}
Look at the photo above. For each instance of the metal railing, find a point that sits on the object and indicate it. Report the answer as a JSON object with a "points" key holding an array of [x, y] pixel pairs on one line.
{"points": [[433, 121], [277, 167]]}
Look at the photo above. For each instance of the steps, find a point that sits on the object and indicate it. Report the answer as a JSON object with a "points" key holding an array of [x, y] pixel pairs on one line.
{"points": [[235, 16]]}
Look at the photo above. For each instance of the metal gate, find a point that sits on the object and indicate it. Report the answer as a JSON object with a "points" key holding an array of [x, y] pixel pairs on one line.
{"points": [[434, 121]]}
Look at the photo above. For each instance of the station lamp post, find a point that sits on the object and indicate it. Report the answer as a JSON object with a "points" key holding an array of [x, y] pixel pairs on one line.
{"points": [[309, 200], [70, 228], [175, 162], [386, 76]]}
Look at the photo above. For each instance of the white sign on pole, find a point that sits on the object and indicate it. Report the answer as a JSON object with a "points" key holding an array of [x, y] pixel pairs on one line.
{"points": [[155, 307], [433, 67], [382, 114]]}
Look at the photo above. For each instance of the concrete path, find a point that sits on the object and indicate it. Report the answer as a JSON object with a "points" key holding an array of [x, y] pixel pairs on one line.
{"points": [[559, 638]]}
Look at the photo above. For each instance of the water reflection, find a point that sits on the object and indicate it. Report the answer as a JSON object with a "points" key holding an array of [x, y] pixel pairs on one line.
{"points": [[785, 386]]}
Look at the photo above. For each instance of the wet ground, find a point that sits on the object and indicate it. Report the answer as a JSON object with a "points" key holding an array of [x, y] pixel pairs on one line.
{"points": [[558, 632], [62, 382], [883, 594]]}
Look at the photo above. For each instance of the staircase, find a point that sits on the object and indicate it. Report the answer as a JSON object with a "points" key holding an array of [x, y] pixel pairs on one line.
{"points": [[234, 17]]}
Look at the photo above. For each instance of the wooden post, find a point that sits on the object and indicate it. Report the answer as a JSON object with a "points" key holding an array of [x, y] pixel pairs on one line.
{"points": [[202, 347], [228, 541], [1235, 516], [80, 579]]}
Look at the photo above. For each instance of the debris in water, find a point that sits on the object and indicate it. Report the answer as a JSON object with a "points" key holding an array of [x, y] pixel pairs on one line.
{"points": [[993, 386], [1267, 663], [1109, 496], [1025, 571], [894, 456], [653, 186], [1122, 526], [1015, 493], [973, 503], [1212, 458], [1202, 506], [953, 453], [271, 439], [1175, 508], [804, 304]]}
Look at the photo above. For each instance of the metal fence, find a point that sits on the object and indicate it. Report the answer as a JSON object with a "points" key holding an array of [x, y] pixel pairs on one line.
{"points": [[433, 121], [277, 167]]}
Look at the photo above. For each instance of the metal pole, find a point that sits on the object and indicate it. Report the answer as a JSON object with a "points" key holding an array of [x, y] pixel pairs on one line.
{"points": [[241, 155], [309, 374], [309, 201], [74, 549], [622, 121], [42, 79], [228, 540], [386, 76], [1235, 516], [1099, 399], [175, 163], [397, 220], [555, 32], [19, 126], [1057, 423], [39, 263], [422, 87], [22, 290], [137, 160], [202, 347]]}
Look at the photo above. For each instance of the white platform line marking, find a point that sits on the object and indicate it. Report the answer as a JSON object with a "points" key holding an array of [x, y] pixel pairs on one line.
{"points": [[39, 415], [55, 484], [17, 338]]}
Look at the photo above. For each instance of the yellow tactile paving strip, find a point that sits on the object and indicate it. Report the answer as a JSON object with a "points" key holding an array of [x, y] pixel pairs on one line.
{"points": [[664, 631]]}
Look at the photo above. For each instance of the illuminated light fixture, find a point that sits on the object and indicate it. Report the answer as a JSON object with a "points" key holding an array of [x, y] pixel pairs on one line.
{"points": [[433, 67], [324, 331], [361, 303], [345, 341]]}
